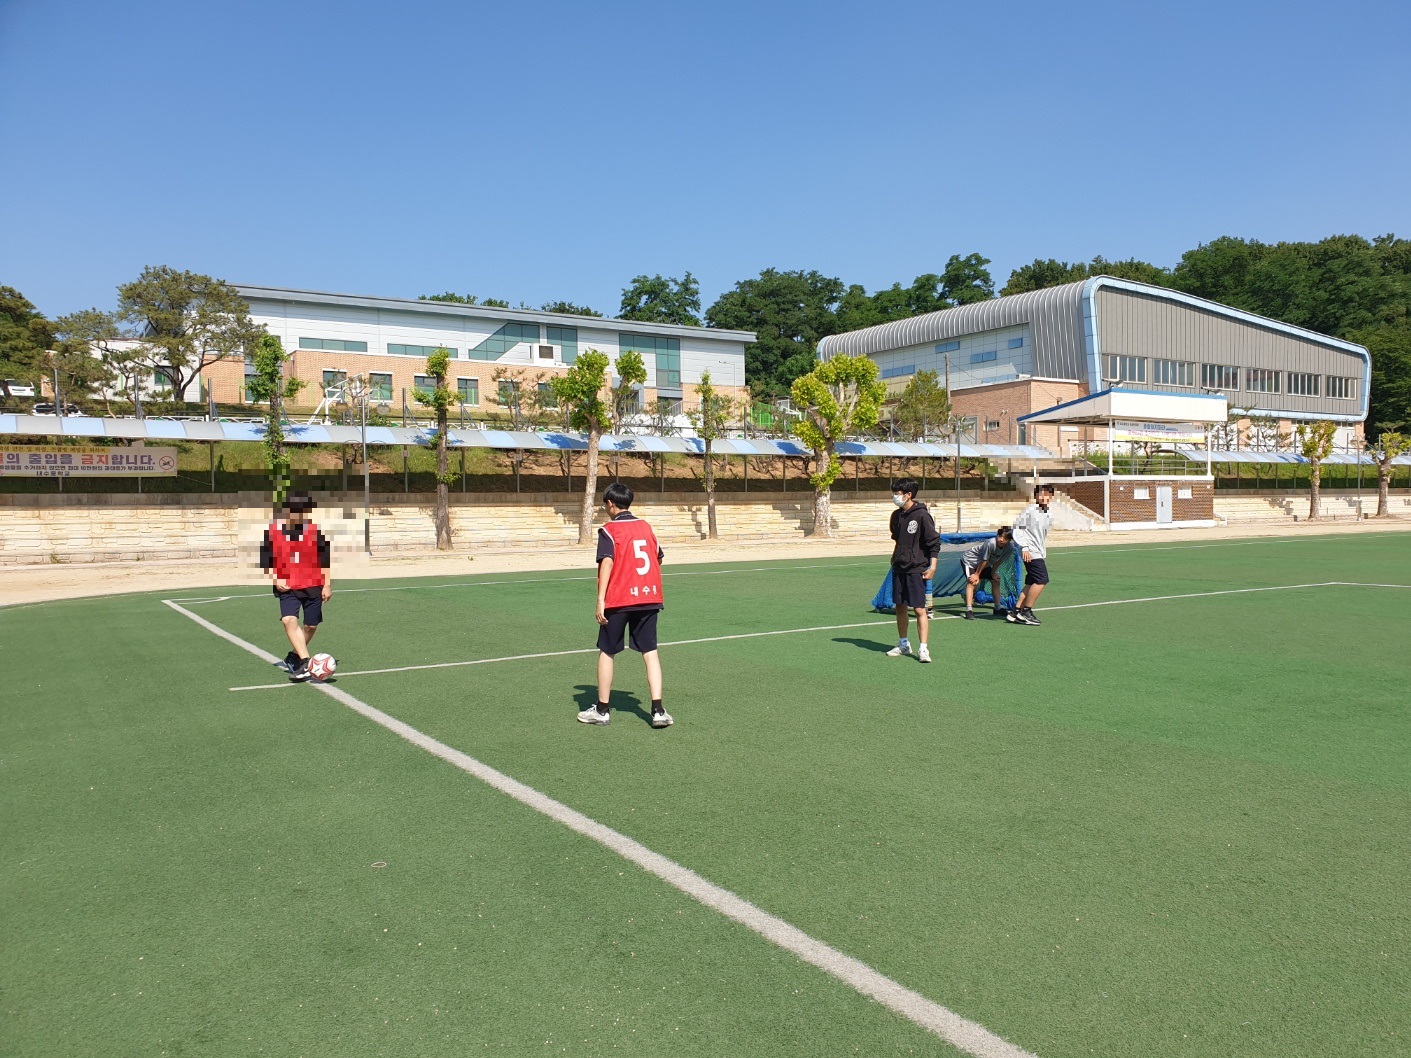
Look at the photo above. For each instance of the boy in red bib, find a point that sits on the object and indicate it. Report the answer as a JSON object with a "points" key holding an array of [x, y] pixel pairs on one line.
{"points": [[297, 556], [629, 599]]}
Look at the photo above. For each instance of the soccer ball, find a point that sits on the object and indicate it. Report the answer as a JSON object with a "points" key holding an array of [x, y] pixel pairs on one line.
{"points": [[322, 666]]}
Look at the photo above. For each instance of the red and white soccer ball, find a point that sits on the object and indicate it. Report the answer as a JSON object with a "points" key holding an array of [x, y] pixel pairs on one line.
{"points": [[322, 666]]}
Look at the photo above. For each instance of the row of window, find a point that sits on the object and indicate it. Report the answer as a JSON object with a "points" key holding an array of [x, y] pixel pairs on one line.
{"points": [[1117, 368], [667, 351]]}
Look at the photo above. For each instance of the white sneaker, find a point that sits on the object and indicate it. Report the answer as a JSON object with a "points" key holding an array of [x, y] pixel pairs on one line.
{"points": [[925, 655], [662, 720], [900, 650], [592, 716]]}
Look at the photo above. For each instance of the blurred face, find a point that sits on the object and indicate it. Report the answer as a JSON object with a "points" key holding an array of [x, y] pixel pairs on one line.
{"points": [[1002, 539], [1045, 498], [296, 517]]}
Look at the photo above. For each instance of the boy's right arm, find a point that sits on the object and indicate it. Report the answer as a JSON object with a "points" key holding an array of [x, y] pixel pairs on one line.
{"points": [[604, 572], [267, 562]]}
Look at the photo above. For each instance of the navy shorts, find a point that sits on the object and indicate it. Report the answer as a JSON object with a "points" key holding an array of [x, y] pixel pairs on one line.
{"points": [[908, 588], [1035, 571], [986, 571], [641, 624], [310, 599]]}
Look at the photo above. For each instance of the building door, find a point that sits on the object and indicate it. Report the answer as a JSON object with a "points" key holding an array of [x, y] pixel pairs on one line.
{"points": [[1163, 503]]}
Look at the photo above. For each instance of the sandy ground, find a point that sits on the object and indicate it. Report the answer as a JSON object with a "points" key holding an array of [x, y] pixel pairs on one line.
{"points": [[29, 584]]}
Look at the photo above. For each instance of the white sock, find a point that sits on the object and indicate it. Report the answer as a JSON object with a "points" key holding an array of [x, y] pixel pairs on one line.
{"points": [[903, 642]]}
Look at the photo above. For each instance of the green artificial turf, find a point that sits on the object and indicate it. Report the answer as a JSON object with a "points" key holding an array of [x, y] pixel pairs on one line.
{"points": [[1171, 827]]}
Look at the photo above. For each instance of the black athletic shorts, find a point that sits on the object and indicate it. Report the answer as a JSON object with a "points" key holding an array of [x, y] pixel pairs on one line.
{"points": [[908, 587], [1035, 571], [642, 624], [986, 571], [311, 599]]}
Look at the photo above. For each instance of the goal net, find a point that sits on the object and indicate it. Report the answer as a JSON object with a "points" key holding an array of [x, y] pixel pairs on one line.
{"points": [[950, 577]]}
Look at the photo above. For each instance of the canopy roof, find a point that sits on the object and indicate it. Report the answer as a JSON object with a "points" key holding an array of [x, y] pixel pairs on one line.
{"points": [[1138, 405], [1197, 455], [294, 433]]}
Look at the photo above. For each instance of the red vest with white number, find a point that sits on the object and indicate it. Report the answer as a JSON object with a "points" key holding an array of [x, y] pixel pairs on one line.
{"points": [[635, 579], [296, 561]]}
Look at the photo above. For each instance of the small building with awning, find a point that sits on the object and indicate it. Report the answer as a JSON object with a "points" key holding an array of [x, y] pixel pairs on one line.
{"points": [[1143, 423]]}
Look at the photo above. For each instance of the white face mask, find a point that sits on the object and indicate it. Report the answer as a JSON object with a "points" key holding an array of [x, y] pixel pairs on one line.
{"points": [[899, 499]]}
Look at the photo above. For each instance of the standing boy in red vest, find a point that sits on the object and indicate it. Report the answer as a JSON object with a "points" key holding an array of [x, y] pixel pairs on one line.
{"points": [[297, 558], [629, 599]]}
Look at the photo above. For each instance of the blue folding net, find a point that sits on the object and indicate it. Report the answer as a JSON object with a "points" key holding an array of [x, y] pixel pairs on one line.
{"points": [[950, 576]]}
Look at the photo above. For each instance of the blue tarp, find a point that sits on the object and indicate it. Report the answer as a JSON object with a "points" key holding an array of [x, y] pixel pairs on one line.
{"points": [[950, 576]]}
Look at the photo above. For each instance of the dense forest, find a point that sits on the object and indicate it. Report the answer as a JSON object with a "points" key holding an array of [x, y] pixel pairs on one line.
{"points": [[1345, 286]]}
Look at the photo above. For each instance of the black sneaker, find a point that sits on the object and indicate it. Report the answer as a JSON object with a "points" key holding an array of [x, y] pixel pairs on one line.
{"points": [[970, 615], [290, 660], [300, 672], [1000, 611], [1012, 616], [1028, 618]]}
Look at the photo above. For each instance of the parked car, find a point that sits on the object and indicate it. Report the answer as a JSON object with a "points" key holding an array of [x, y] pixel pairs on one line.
{"points": [[19, 389], [47, 408]]}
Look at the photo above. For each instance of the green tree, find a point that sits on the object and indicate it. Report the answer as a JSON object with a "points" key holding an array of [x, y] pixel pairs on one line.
{"points": [[25, 338], [465, 299], [1390, 347], [581, 389], [654, 299], [440, 397], [86, 354], [568, 308], [712, 421], [269, 384], [1315, 444], [631, 372], [967, 280], [789, 312], [840, 397], [1041, 274], [1390, 443], [185, 322], [924, 405]]}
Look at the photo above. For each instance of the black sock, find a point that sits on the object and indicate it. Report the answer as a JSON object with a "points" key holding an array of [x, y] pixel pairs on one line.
{"points": [[603, 708], [657, 707]]}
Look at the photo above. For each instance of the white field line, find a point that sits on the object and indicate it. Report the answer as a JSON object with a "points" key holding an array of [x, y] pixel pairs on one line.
{"points": [[537, 580], [814, 628], [960, 1032]]}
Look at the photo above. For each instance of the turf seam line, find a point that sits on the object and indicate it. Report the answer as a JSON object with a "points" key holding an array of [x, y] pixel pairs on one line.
{"points": [[540, 580], [960, 1032]]}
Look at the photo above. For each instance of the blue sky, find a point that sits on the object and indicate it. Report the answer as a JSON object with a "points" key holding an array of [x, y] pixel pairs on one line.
{"points": [[536, 151]]}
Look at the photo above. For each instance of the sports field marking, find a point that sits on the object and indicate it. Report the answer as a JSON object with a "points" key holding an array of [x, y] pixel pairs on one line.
{"points": [[962, 1033], [539, 580], [797, 631]]}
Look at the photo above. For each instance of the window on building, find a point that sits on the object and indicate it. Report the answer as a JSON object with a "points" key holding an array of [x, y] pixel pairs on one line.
{"points": [[991, 425], [566, 338], [546, 396], [503, 340], [379, 385], [898, 372], [417, 350], [1173, 373], [666, 350], [508, 392], [1342, 388], [1303, 385], [469, 390], [1261, 380], [1125, 369], [426, 382], [333, 379], [985, 357], [1219, 376], [947, 347], [333, 345], [1016, 343]]}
